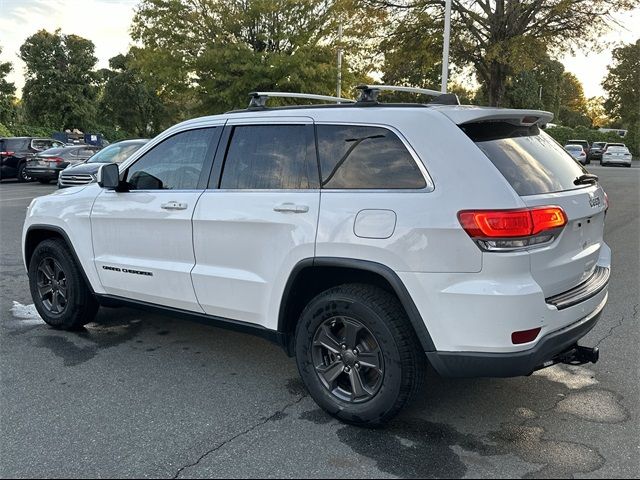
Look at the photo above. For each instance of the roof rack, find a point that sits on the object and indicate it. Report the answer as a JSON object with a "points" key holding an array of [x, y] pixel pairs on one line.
{"points": [[259, 99], [369, 94]]}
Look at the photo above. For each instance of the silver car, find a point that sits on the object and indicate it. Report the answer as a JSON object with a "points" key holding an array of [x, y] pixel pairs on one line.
{"points": [[577, 152], [618, 155]]}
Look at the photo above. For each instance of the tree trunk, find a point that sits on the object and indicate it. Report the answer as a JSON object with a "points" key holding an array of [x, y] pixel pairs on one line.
{"points": [[497, 84]]}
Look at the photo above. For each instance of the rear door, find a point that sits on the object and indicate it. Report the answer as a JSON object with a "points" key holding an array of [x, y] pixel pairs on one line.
{"points": [[543, 173], [142, 239], [249, 233]]}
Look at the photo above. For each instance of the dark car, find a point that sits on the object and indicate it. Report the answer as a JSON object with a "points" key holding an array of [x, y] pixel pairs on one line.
{"points": [[46, 166], [16, 151], [597, 148], [85, 173]]}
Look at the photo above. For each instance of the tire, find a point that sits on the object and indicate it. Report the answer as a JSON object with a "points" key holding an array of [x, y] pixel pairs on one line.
{"points": [[384, 338], [44, 182], [53, 269], [22, 174]]}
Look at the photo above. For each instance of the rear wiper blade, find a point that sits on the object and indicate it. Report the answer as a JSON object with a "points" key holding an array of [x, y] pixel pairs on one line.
{"points": [[586, 179]]}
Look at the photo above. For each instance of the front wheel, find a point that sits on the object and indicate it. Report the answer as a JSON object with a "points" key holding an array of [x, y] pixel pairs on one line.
{"points": [[59, 292], [22, 174], [358, 355]]}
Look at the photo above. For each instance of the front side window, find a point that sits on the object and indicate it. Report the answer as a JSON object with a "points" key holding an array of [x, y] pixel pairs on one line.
{"points": [[176, 163], [360, 157], [270, 157]]}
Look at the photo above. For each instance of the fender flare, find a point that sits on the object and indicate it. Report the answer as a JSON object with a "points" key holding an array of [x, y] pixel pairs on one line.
{"points": [[368, 266]]}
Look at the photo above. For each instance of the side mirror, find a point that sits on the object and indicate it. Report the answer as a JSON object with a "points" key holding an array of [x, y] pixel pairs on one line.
{"points": [[109, 176]]}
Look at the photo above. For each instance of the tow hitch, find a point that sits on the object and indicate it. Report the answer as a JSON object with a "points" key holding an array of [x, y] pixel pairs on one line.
{"points": [[575, 355]]}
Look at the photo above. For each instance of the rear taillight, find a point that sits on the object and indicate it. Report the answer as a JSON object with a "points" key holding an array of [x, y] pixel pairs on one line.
{"points": [[7, 154], [513, 229], [52, 159]]}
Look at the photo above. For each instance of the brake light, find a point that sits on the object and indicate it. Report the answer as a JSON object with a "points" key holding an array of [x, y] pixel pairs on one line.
{"points": [[52, 159], [525, 336], [512, 229], [8, 154]]}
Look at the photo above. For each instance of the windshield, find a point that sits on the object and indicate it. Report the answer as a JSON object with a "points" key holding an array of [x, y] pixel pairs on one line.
{"points": [[116, 153]]}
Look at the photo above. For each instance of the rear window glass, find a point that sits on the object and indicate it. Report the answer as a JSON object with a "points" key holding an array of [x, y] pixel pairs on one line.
{"points": [[14, 144], [531, 161]]}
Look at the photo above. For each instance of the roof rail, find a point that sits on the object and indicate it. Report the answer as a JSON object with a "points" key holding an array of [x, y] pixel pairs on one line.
{"points": [[369, 94], [259, 99]]}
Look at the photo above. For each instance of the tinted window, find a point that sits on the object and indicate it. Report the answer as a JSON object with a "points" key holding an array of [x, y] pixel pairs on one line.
{"points": [[530, 160], [270, 157], [15, 144], [176, 163], [365, 158]]}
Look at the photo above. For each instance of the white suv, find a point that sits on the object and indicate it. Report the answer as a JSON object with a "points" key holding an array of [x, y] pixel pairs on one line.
{"points": [[358, 236]]}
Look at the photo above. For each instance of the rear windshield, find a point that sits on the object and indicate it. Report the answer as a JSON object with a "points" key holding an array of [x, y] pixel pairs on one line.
{"points": [[531, 161], [573, 147], [14, 144]]}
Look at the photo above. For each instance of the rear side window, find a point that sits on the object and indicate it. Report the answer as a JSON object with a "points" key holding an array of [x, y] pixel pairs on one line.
{"points": [[531, 161], [360, 157], [273, 157], [14, 144]]}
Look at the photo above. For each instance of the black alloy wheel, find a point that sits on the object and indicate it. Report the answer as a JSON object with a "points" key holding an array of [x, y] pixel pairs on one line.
{"points": [[348, 359], [52, 285]]}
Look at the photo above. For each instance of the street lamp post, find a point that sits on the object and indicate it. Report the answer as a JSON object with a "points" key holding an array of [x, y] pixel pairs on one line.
{"points": [[445, 46]]}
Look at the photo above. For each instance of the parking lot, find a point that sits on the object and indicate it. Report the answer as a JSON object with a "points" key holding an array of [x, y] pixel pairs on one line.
{"points": [[141, 395]]}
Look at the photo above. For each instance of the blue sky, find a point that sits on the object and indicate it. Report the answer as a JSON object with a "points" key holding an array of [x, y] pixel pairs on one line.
{"points": [[107, 22]]}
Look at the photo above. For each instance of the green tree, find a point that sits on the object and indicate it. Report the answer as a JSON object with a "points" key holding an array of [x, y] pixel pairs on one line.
{"points": [[622, 85], [60, 85], [500, 38], [7, 94], [205, 56], [127, 103]]}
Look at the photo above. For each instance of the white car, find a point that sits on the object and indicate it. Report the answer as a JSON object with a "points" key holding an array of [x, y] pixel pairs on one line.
{"points": [[366, 239], [577, 152], [619, 155]]}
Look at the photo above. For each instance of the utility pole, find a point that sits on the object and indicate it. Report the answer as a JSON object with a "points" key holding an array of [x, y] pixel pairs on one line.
{"points": [[339, 79], [445, 46]]}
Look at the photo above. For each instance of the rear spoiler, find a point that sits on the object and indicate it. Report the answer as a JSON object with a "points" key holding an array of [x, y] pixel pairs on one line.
{"points": [[462, 115]]}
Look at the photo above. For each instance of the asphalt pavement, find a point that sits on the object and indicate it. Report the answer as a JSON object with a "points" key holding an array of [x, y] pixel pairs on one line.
{"points": [[143, 395]]}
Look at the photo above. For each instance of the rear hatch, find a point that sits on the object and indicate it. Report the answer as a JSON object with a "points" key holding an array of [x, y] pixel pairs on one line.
{"points": [[49, 159], [544, 174]]}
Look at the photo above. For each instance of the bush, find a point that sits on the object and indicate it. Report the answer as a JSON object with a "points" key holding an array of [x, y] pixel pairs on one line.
{"points": [[21, 130], [4, 131]]}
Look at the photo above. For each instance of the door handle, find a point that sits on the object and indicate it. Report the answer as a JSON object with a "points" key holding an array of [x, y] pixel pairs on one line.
{"points": [[291, 208], [174, 206]]}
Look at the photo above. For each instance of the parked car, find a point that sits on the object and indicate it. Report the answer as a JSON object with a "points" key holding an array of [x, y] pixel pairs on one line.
{"points": [[585, 144], [46, 166], [596, 150], [16, 151], [616, 155], [610, 144], [85, 173], [350, 236], [577, 152]]}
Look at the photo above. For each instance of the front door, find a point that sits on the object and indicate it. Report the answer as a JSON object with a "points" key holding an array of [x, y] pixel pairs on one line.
{"points": [[143, 238], [251, 232]]}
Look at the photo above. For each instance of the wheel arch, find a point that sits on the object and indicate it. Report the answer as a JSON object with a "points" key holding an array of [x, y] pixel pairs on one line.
{"points": [[312, 276], [36, 234]]}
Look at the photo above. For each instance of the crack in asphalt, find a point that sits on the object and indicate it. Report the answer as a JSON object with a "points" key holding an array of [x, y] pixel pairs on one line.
{"points": [[634, 315], [275, 416]]}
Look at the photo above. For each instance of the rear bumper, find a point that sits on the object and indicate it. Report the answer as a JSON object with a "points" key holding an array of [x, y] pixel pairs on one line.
{"points": [[515, 364], [43, 173]]}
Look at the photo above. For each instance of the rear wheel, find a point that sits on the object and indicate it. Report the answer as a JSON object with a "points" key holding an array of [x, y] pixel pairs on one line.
{"points": [[22, 174], [358, 355], [59, 292]]}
